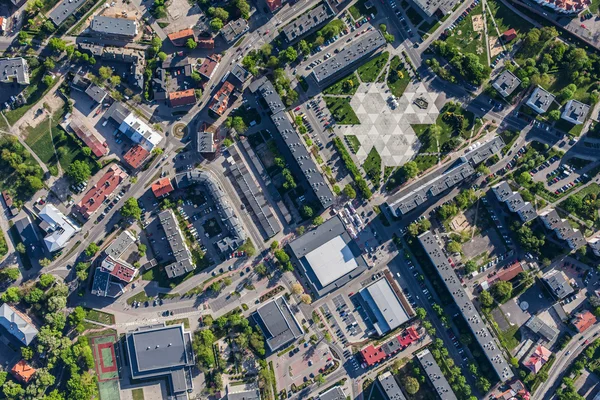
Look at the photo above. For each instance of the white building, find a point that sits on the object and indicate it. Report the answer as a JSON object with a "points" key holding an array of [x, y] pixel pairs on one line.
{"points": [[575, 112], [59, 229], [139, 132]]}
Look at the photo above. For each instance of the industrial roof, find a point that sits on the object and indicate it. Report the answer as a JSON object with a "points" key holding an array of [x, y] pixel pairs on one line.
{"points": [[277, 323], [484, 337], [14, 68], [390, 386], [64, 10], [17, 324], [385, 306], [435, 375], [307, 22], [114, 26], [331, 260], [349, 55]]}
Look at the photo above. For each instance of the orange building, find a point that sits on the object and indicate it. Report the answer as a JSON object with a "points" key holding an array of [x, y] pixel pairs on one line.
{"points": [[23, 371]]}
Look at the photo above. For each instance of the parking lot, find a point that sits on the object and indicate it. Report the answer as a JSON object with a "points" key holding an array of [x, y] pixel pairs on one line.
{"points": [[301, 364], [559, 175]]}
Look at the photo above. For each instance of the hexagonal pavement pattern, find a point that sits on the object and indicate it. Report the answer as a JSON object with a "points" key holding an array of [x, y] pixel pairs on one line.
{"points": [[389, 130]]}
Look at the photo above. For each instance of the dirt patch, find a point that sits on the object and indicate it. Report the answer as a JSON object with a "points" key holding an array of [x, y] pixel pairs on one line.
{"points": [[460, 223], [51, 103], [495, 46], [477, 23]]}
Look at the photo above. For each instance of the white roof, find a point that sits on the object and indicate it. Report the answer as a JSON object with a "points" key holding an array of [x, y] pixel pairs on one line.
{"points": [[63, 228], [331, 260], [17, 325], [151, 136], [383, 301]]}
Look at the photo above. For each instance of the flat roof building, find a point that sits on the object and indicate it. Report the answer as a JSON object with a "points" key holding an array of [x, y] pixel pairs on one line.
{"points": [[483, 336], [59, 229], [307, 22], [113, 272], [575, 112], [558, 283], [506, 83], [277, 323], [435, 375], [29, 237], [238, 76], [183, 258], [431, 7], [540, 100], [234, 29], [328, 256], [17, 324], [390, 386], [206, 143], [64, 10], [536, 325], [384, 306], [514, 201], [14, 70], [478, 152], [122, 28], [241, 392], [335, 393], [161, 351], [595, 245], [101, 191], [351, 54], [96, 93], [563, 229]]}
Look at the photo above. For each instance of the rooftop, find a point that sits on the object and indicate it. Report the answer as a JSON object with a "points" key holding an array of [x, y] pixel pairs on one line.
{"points": [[506, 83], [238, 75], [307, 22], [373, 355], [335, 393], [575, 112], [95, 197], [540, 100], [120, 245], [23, 371], [14, 68], [206, 142], [390, 386], [179, 38], [538, 358], [208, 67], [17, 324], [90, 137], [220, 101], [233, 393], [136, 156], [582, 321], [541, 328], [114, 26], [59, 228], [435, 375], [478, 152], [385, 306], [182, 98], [183, 259], [558, 283], [234, 29], [430, 7], [162, 187], [64, 10], [277, 323], [97, 93]]}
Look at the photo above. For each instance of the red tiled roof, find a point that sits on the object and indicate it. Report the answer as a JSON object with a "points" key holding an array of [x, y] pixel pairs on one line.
{"points": [[182, 98], [179, 38], [162, 187], [273, 4], [100, 191], [23, 371], [540, 356], [220, 101], [584, 320], [92, 140], [207, 67], [7, 199], [509, 273], [373, 355], [136, 156], [509, 34], [206, 43]]}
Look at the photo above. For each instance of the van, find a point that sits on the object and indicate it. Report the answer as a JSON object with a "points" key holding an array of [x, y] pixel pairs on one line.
{"points": [[104, 123]]}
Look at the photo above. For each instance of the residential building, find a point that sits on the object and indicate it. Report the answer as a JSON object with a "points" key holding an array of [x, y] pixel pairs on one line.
{"points": [[242, 392], [14, 70], [121, 28], [509, 35], [372, 355], [536, 325], [89, 137], [595, 245], [162, 187], [238, 76], [307, 22], [506, 83], [182, 98], [29, 237], [114, 273], [59, 229], [390, 386], [558, 283], [488, 343], [8, 201], [565, 6], [382, 303], [435, 7], [514, 201], [96, 93], [208, 67], [563, 229], [136, 156], [205, 43], [3, 24], [274, 5], [128, 56], [133, 127], [540, 100], [220, 101], [537, 359], [101, 191], [206, 143], [22, 371], [183, 258], [348, 57], [328, 256], [575, 112], [180, 38], [582, 321], [17, 324], [159, 351], [435, 375], [234, 29], [278, 324], [64, 10], [515, 391]]}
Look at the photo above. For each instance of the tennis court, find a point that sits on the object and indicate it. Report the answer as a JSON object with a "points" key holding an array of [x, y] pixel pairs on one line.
{"points": [[105, 358]]}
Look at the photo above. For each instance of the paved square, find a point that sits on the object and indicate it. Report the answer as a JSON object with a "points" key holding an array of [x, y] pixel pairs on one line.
{"points": [[389, 130]]}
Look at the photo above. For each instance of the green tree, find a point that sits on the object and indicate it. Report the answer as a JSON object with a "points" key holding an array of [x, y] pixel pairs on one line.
{"points": [[11, 295], [318, 220], [92, 249], [349, 191], [410, 169], [261, 270], [44, 262], [46, 280], [79, 171], [244, 8], [421, 313], [9, 274], [411, 385], [191, 43], [218, 12], [307, 211], [502, 291], [274, 245], [104, 73], [470, 267], [319, 379], [13, 390], [554, 115], [486, 299], [454, 247], [131, 209], [49, 63], [57, 45], [34, 296], [48, 80], [216, 24]]}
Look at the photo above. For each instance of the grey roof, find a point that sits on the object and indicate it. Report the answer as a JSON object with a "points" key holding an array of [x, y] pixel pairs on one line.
{"points": [[246, 394], [451, 178], [435, 375], [96, 93], [183, 259], [118, 112], [575, 112], [253, 194], [114, 26], [558, 283], [482, 334], [17, 324], [385, 306], [161, 351], [29, 237], [515, 202], [334, 270], [541, 328], [120, 244], [551, 219], [277, 323], [64, 10], [206, 142], [130, 56], [506, 83], [502, 191], [59, 229], [527, 212], [295, 147], [234, 29], [238, 75], [390, 386], [14, 68], [335, 393], [307, 22], [348, 56], [576, 240], [540, 100], [95, 49], [478, 153]]}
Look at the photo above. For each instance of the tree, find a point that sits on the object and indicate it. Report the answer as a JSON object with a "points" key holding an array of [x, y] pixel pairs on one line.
{"points": [[56, 303], [131, 209], [77, 316], [486, 299], [318, 220], [349, 191], [46, 280], [319, 379], [216, 24], [307, 211], [502, 291], [289, 55], [115, 80], [35, 295], [244, 8], [454, 247], [191, 44], [410, 169], [483, 384], [44, 262], [104, 73], [92, 249], [34, 183], [49, 63], [274, 245], [57, 45], [79, 171], [421, 313], [297, 288], [11, 295], [411, 385], [9, 274], [304, 47], [218, 12], [554, 115], [216, 287], [305, 298], [13, 390], [300, 230], [261, 270]]}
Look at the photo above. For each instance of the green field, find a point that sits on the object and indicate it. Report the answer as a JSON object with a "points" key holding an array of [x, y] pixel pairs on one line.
{"points": [[353, 143], [467, 40], [398, 78], [141, 297], [372, 166], [100, 316], [505, 19], [109, 390], [358, 10], [369, 71], [343, 86], [341, 110], [184, 321]]}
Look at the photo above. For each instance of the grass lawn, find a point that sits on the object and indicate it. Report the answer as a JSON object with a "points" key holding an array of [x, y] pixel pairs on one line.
{"points": [[341, 110], [100, 316], [592, 188], [344, 89], [34, 92], [369, 71], [359, 10], [425, 162], [137, 394], [467, 40], [40, 141], [398, 78], [353, 143], [141, 297], [372, 166], [571, 129], [3, 124], [185, 321], [594, 6], [505, 19]]}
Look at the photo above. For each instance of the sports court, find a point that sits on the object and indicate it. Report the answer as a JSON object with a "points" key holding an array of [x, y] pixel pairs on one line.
{"points": [[107, 369]]}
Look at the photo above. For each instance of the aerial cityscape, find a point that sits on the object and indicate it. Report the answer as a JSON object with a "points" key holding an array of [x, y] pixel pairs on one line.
{"points": [[300, 199]]}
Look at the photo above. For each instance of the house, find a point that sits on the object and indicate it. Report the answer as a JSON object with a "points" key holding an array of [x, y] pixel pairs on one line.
{"points": [[234, 29], [583, 320], [205, 43], [101, 191], [595, 245], [506, 83], [14, 70], [220, 101], [181, 37], [509, 35], [575, 112], [277, 323], [17, 324], [516, 391], [274, 5], [118, 28], [537, 359], [558, 283], [182, 98], [59, 229], [565, 6], [372, 355], [22, 371], [136, 156], [162, 187], [207, 68], [540, 100]]}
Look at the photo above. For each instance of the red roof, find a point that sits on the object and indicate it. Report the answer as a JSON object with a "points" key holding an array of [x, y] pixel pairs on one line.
{"points": [[373, 355], [273, 4], [540, 356], [509, 35], [206, 43], [179, 38], [136, 156], [208, 67], [220, 101], [23, 371], [162, 187], [123, 272], [7, 199], [584, 320], [509, 273], [101, 190], [92, 140], [182, 98]]}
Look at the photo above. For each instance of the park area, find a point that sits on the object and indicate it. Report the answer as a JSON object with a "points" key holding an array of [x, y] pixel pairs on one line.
{"points": [[469, 35], [398, 78], [341, 110], [345, 86], [369, 71]]}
